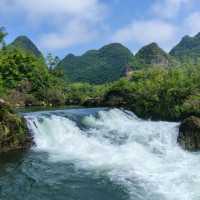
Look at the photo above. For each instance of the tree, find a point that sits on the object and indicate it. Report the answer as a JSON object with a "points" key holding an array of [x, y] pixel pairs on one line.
{"points": [[52, 61], [3, 34]]}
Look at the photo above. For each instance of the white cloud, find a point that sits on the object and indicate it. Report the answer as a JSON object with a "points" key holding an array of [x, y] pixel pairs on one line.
{"points": [[54, 8], [72, 21], [144, 32], [65, 23], [169, 8], [168, 21], [192, 23], [73, 34]]}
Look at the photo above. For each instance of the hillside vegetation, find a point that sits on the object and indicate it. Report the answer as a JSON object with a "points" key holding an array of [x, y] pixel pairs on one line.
{"points": [[25, 79], [97, 66], [160, 88], [188, 50], [24, 44], [153, 56], [111, 62]]}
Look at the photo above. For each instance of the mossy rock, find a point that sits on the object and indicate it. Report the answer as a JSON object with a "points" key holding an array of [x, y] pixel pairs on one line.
{"points": [[13, 130], [189, 134]]}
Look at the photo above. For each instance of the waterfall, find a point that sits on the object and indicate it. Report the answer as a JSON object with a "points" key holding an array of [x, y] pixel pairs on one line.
{"points": [[132, 152]]}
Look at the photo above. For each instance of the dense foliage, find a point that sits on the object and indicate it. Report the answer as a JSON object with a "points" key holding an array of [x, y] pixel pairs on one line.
{"points": [[96, 66], [162, 93], [158, 93], [13, 132], [152, 92], [25, 79]]}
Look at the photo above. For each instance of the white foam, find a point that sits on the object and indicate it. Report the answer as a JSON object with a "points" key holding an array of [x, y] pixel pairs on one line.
{"points": [[128, 149]]}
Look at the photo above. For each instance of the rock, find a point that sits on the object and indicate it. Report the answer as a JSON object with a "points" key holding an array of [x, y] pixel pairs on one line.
{"points": [[13, 130], [2, 101], [116, 98], [93, 102], [189, 134]]}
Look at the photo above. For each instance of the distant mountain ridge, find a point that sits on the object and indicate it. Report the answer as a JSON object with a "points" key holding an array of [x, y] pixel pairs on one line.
{"points": [[111, 62], [114, 60]]}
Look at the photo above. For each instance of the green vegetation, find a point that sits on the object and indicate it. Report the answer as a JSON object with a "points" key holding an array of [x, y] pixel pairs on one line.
{"points": [[158, 93], [111, 62], [24, 44], [153, 56], [3, 33], [25, 80], [13, 131], [169, 91], [96, 66], [188, 50], [52, 61], [158, 87]]}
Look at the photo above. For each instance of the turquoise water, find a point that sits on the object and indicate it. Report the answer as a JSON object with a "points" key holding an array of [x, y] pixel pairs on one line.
{"points": [[99, 154], [30, 176]]}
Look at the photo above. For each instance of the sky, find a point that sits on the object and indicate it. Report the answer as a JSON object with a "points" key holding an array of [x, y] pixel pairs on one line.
{"points": [[75, 26]]}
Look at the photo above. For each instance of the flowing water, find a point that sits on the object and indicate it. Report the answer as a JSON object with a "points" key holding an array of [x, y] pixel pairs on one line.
{"points": [[100, 154]]}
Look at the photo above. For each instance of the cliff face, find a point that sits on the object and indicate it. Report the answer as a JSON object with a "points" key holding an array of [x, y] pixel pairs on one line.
{"points": [[13, 130]]}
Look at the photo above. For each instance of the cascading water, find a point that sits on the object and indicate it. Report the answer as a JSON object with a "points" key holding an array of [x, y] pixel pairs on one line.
{"points": [[141, 156]]}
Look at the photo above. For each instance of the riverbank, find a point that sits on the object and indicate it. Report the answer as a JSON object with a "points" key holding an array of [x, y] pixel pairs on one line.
{"points": [[14, 132]]}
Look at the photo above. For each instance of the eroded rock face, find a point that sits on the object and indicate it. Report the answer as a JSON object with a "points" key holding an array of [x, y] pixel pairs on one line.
{"points": [[13, 131], [189, 134]]}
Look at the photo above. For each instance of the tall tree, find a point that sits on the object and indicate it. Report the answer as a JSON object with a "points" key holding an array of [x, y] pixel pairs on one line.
{"points": [[3, 34], [52, 61]]}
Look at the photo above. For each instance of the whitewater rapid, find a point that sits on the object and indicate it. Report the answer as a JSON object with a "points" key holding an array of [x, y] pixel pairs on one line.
{"points": [[142, 156]]}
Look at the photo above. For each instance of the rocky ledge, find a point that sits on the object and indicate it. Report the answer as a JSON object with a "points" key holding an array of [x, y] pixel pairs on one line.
{"points": [[189, 134], [13, 130]]}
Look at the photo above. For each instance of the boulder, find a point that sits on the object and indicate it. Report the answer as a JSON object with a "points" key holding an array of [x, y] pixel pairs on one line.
{"points": [[189, 134], [13, 130], [2, 101]]}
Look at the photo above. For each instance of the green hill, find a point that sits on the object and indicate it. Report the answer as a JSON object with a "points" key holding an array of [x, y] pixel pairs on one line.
{"points": [[188, 49], [97, 66], [152, 56], [25, 44]]}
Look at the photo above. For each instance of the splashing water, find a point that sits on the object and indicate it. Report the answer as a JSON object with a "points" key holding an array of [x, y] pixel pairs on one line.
{"points": [[143, 156]]}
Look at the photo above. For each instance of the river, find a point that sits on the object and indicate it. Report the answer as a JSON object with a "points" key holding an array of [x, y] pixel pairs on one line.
{"points": [[99, 154]]}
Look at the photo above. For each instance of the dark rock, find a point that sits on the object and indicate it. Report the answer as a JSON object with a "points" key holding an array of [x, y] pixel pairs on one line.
{"points": [[189, 134], [13, 130], [117, 98], [93, 102]]}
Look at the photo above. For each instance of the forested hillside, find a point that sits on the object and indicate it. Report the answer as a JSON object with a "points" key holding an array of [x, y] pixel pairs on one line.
{"points": [[25, 79], [158, 86], [188, 50], [153, 56], [96, 66], [24, 44]]}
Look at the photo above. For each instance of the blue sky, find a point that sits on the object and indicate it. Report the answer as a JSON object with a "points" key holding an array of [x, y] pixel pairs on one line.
{"points": [[75, 26]]}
